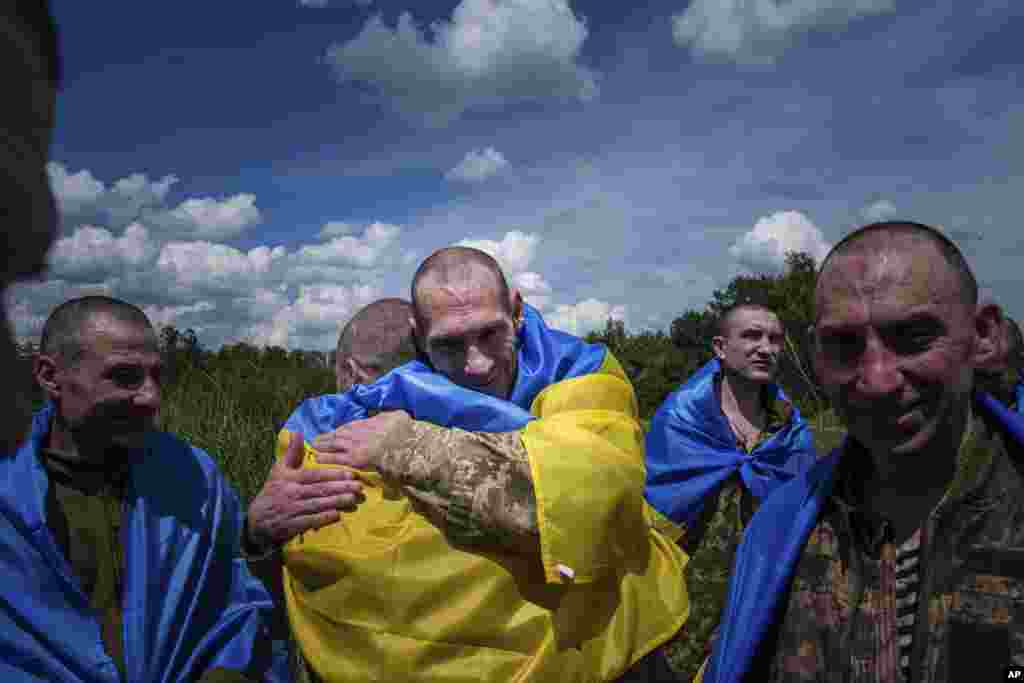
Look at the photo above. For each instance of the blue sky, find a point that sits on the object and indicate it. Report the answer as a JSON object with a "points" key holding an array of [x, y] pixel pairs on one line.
{"points": [[260, 172]]}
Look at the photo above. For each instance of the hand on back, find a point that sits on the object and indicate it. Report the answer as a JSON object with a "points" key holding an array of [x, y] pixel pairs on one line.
{"points": [[296, 499]]}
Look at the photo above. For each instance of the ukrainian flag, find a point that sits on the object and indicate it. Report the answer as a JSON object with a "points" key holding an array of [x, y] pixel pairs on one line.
{"points": [[382, 595]]}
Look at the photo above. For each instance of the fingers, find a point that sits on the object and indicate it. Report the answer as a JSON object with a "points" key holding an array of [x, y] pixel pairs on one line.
{"points": [[293, 455], [312, 521], [323, 474]]}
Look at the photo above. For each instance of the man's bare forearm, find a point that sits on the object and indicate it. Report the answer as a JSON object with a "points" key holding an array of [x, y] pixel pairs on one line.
{"points": [[475, 486]]}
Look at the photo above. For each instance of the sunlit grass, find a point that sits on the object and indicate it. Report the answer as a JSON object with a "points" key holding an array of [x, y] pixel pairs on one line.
{"points": [[234, 412]]}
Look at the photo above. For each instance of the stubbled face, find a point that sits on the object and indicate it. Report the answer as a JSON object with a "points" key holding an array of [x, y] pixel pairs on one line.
{"points": [[470, 335], [895, 344], [752, 346], [27, 211], [112, 395]]}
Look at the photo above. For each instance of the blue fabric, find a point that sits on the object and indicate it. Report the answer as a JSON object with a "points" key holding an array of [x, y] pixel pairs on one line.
{"points": [[771, 548], [691, 450], [1018, 391], [545, 356], [189, 604]]}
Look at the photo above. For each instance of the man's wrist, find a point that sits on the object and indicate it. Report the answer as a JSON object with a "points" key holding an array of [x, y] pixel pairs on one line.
{"points": [[255, 549]]}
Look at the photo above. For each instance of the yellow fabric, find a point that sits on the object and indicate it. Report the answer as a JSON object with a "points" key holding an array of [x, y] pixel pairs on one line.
{"points": [[383, 596]]}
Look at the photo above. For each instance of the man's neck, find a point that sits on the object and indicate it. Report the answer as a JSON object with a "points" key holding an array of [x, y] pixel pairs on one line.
{"points": [[906, 489], [63, 440], [742, 399]]}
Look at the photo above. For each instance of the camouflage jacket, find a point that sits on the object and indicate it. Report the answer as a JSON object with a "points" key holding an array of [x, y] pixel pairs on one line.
{"points": [[839, 621], [711, 544]]}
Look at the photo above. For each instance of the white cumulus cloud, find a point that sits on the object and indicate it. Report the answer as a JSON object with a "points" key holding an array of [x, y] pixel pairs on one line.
{"points": [[82, 197], [361, 252], [91, 254], [757, 31], [161, 316], [205, 265], [879, 210], [585, 316], [336, 229], [478, 165], [490, 52], [513, 253], [315, 318], [766, 245], [208, 218]]}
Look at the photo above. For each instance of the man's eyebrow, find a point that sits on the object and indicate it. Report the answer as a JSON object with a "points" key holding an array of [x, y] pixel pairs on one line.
{"points": [[456, 338]]}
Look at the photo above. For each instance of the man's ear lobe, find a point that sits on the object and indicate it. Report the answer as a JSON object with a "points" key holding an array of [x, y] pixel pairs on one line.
{"points": [[990, 340]]}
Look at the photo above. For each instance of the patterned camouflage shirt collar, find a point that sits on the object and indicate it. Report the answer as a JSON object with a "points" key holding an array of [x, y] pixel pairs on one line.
{"points": [[778, 413], [978, 450]]}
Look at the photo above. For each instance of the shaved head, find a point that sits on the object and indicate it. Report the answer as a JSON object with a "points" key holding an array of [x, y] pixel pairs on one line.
{"points": [[64, 334], [728, 316], [883, 235], [457, 266], [376, 340]]}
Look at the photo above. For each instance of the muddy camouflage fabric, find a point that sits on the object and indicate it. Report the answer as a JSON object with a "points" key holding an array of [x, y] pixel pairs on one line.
{"points": [[711, 544], [839, 624], [474, 486]]}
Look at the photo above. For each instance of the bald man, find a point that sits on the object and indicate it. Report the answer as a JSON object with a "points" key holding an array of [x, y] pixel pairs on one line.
{"points": [[504, 536], [375, 340], [119, 543], [28, 51], [716, 448], [897, 557]]}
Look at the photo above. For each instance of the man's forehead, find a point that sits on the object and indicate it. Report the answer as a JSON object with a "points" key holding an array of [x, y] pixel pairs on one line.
{"points": [[753, 319], [901, 271], [107, 336]]}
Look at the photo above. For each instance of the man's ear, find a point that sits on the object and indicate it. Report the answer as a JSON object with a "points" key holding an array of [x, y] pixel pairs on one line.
{"points": [[46, 370], [515, 304], [718, 346], [360, 374], [990, 337], [417, 342]]}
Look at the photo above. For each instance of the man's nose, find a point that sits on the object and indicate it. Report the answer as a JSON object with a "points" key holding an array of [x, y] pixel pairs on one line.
{"points": [[148, 395], [880, 374]]}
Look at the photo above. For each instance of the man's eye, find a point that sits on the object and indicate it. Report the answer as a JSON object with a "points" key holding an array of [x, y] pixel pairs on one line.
{"points": [[127, 377], [841, 346], [911, 340]]}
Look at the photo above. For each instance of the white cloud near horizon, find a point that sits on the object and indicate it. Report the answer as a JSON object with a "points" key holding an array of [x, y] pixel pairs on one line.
{"points": [[878, 210], [757, 31], [765, 246], [478, 165], [490, 52]]}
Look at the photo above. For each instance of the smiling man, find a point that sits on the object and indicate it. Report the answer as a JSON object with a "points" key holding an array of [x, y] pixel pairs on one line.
{"points": [[504, 535], [898, 557], [717, 446], [119, 545]]}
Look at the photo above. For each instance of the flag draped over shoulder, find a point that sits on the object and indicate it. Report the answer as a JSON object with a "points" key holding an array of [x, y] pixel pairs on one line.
{"points": [[545, 356], [383, 595], [189, 605], [691, 450], [771, 548]]}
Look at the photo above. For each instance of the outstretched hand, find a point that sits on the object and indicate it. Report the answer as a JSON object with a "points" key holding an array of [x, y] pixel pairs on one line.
{"points": [[294, 500], [360, 443]]}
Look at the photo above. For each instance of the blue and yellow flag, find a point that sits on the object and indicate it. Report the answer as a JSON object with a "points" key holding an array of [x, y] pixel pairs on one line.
{"points": [[691, 450], [771, 548], [383, 595]]}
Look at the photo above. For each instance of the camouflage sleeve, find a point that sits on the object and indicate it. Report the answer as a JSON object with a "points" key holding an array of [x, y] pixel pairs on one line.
{"points": [[476, 487]]}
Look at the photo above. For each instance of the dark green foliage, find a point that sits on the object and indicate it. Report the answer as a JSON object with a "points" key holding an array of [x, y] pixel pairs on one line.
{"points": [[233, 404]]}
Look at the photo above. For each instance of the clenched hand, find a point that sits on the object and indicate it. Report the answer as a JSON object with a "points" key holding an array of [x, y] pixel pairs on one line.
{"points": [[294, 500]]}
